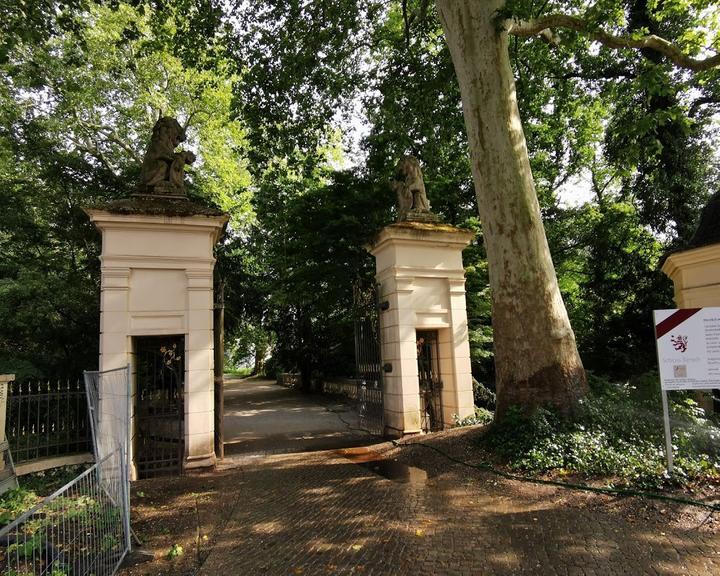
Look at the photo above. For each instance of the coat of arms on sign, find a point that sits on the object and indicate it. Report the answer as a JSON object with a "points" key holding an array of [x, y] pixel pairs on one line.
{"points": [[680, 343]]}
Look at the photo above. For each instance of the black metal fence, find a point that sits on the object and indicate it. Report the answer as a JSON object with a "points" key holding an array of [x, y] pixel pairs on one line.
{"points": [[46, 419], [288, 379], [345, 387], [366, 312], [431, 416]]}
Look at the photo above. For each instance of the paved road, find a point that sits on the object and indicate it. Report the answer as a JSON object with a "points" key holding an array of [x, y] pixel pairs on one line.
{"points": [[264, 418], [322, 513]]}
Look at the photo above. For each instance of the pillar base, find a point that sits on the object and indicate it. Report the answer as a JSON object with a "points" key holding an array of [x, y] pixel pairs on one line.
{"points": [[395, 434], [201, 461]]}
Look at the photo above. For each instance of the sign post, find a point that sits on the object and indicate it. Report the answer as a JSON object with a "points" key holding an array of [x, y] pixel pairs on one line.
{"points": [[668, 434], [688, 347]]}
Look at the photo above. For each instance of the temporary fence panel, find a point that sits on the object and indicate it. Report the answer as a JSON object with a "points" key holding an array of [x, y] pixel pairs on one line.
{"points": [[82, 529], [108, 400], [109, 395]]}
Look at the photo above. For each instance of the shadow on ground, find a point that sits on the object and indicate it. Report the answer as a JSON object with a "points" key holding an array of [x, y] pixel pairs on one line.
{"points": [[264, 418], [320, 513]]}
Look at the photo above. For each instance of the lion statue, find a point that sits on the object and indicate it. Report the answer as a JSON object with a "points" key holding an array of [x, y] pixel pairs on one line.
{"points": [[177, 169], [162, 168], [409, 186]]}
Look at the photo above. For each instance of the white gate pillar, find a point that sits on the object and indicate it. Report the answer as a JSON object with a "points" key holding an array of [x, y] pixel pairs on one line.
{"points": [[420, 270], [157, 279]]}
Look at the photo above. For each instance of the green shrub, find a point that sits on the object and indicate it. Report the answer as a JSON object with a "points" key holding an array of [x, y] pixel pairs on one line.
{"points": [[15, 502], [481, 416], [46, 482], [616, 435], [483, 396], [175, 552]]}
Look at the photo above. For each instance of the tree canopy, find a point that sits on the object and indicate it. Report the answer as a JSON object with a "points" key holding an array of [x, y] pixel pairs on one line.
{"points": [[616, 99]]}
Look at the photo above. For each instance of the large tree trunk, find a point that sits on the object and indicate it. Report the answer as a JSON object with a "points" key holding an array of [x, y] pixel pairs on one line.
{"points": [[536, 357]]}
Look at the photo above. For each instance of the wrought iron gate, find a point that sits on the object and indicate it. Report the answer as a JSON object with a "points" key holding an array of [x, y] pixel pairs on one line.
{"points": [[218, 369], [368, 358], [159, 407], [431, 418]]}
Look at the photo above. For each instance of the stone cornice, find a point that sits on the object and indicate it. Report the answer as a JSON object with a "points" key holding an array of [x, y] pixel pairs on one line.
{"points": [[414, 233], [105, 220], [693, 257]]}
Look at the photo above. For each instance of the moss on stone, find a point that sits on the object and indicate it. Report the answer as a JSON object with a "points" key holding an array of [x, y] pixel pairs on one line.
{"points": [[429, 227], [158, 206]]}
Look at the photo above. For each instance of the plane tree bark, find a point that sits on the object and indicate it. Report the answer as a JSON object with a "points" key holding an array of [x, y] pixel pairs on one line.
{"points": [[536, 357]]}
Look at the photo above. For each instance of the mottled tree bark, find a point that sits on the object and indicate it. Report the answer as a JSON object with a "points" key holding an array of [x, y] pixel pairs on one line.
{"points": [[536, 356]]}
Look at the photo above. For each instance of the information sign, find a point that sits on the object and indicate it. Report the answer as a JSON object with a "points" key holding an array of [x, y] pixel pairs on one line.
{"points": [[688, 345]]}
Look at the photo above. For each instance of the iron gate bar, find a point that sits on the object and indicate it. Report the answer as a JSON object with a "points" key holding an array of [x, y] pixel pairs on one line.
{"points": [[159, 405], [219, 369], [430, 384], [368, 358]]}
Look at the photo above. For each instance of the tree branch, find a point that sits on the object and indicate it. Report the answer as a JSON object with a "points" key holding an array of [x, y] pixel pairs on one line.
{"points": [[95, 152], [607, 74], [406, 21], [93, 129], [695, 106], [543, 26]]}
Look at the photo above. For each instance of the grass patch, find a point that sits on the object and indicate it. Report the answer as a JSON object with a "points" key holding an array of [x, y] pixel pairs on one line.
{"points": [[238, 372], [618, 435]]}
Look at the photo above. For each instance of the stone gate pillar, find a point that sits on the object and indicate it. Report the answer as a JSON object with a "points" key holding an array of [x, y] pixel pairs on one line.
{"points": [[157, 280], [419, 268]]}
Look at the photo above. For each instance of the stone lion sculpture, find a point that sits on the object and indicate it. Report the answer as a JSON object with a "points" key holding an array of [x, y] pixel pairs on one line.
{"points": [[163, 169], [409, 186], [177, 168]]}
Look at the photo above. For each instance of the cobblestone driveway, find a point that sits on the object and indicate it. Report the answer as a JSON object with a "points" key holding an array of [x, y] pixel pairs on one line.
{"points": [[319, 513]]}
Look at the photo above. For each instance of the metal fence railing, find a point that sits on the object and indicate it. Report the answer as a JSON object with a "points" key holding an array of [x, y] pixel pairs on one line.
{"points": [[365, 395], [81, 529], [348, 388], [288, 379], [47, 419]]}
